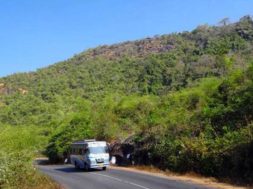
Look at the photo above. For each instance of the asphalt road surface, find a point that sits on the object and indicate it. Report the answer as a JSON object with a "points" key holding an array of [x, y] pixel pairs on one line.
{"points": [[70, 178]]}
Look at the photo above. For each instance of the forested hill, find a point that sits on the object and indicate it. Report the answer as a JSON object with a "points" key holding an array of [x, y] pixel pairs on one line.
{"points": [[149, 66], [185, 98]]}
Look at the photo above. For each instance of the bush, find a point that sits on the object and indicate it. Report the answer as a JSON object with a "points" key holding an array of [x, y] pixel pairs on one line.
{"points": [[18, 149]]}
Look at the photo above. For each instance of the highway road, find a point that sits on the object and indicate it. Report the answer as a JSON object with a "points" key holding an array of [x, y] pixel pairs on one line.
{"points": [[112, 178]]}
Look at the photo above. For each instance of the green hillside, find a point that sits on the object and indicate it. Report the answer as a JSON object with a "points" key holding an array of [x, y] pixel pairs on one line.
{"points": [[185, 98]]}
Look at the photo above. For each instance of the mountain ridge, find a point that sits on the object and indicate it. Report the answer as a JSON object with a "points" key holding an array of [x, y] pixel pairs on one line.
{"points": [[179, 44]]}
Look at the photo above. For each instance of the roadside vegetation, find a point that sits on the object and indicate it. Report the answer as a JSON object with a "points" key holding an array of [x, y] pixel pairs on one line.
{"points": [[17, 153], [185, 99]]}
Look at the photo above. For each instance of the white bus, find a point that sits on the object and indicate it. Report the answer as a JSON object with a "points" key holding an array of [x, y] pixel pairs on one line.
{"points": [[88, 154]]}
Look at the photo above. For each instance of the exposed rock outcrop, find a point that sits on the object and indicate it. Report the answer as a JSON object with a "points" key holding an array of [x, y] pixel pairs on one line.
{"points": [[3, 89], [131, 151]]}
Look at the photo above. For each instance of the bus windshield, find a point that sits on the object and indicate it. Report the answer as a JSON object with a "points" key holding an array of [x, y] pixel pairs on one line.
{"points": [[98, 150]]}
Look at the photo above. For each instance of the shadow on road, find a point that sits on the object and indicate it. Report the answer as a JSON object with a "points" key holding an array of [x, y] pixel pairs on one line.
{"points": [[74, 170], [42, 161]]}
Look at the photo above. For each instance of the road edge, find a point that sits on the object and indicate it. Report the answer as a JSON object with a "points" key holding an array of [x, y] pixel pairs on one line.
{"points": [[207, 181]]}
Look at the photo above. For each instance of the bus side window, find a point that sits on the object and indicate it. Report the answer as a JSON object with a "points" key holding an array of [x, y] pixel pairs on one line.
{"points": [[80, 151], [85, 151]]}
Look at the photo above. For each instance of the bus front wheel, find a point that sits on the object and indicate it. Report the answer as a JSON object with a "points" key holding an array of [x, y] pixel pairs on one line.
{"points": [[76, 165], [86, 167]]}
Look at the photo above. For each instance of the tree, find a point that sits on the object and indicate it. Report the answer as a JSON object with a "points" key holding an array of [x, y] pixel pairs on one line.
{"points": [[224, 22]]}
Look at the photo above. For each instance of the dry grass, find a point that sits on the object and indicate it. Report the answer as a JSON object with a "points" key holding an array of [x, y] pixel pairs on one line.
{"points": [[188, 177], [40, 182], [46, 183]]}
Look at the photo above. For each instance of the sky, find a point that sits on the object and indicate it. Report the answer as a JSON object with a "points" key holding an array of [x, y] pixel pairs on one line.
{"points": [[37, 33]]}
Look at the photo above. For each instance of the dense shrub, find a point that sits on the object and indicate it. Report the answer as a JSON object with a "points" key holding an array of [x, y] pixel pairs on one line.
{"points": [[17, 152]]}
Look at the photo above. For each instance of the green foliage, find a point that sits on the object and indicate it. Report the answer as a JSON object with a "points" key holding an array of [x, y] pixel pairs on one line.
{"points": [[186, 98], [223, 45], [17, 150], [244, 27]]}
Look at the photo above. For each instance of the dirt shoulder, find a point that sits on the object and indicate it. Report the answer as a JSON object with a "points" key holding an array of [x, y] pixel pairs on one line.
{"points": [[190, 178]]}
